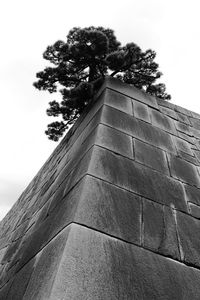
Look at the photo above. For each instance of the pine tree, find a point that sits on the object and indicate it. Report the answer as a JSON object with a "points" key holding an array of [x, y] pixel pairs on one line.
{"points": [[88, 55]]}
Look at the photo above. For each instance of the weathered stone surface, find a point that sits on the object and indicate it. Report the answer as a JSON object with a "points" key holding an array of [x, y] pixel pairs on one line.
{"points": [[188, 230], [186, 137], [114, 140], [184, 170], [20, 282], [184, 128], [118, 101], [192, 194], [164, 103], [141, 111], [132, 92], [183, 118], [183, 146], [136, 178], [137, 129], [153, 219], [169, 112], [197, 154], [161, 121], [5, 289], [170, 244], [109, 209], [195, 132], [189, 158], [116, 270], [195, 123], [195, 115], [160, 229], [195, 210], [183, 110], [151, 156], [79, 229], [46, 268]]}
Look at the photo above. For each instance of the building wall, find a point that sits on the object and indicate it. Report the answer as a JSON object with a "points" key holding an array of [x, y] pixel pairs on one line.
{"points": [[114, 212]]}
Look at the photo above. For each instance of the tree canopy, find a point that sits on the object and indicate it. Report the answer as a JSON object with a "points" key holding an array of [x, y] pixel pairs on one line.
{"points": [[78, 64]]}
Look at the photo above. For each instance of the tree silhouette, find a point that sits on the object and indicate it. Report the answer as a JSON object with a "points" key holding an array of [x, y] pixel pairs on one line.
{"points": [[78, 65]]}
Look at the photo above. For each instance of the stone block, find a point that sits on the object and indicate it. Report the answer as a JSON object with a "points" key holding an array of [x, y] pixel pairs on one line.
{"points": [[141, 111], [46, 267], [39, 236], [182, 145], [153, 219], [192, 194], [183, 110], [95, 266], [137, 129], [188, 230], [183, 118], [118, 120], [109, 209], [136, 178], [189, 158], [197, 154], [195, 132], [118, 101], [195, 123], [164, 103], [114, 140], [169, 112], [5, 289], [184, 128], [131, 91], [151, 156], [195, 210], [186, 137], [195, 115], [10, 251], [160, 229], [183, 170], [20, 282], [170, 244], [163, 122]]}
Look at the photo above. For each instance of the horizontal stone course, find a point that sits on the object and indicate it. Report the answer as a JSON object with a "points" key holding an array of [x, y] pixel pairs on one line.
{"points": [[131, 91], [93, 258], [137, 129], [137, 178]]}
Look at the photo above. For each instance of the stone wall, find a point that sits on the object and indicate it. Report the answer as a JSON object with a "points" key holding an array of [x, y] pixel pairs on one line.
{"points": [[115, 211]]}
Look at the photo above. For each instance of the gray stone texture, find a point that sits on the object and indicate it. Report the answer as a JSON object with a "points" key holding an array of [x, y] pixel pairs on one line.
{"points": [[141, 111], [114, 213], [151, 156], [183, 170]]}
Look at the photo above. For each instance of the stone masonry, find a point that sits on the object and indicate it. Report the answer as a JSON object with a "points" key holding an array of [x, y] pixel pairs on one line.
{"points": [[115, 211]]}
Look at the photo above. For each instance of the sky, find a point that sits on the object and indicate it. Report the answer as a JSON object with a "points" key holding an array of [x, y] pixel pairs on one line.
{"points": [[171, 28]]}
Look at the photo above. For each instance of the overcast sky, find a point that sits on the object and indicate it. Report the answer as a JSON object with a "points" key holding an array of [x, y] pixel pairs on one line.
{"points": [[171, 28]]}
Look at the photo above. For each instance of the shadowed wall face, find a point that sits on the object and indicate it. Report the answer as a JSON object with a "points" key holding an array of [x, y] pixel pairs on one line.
{"points": [[115, 211]]}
